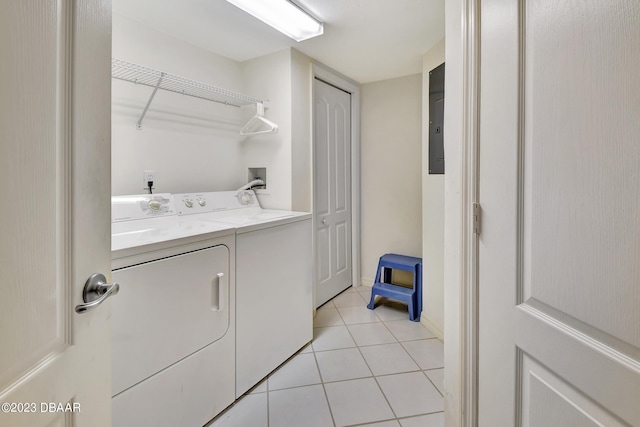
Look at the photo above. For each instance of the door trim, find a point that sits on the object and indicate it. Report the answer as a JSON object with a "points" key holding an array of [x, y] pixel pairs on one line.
{"points": [[343, 83], [469, 319]]}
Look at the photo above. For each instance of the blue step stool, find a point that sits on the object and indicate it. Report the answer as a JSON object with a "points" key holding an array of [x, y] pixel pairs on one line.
{"points": [[411, 296]]}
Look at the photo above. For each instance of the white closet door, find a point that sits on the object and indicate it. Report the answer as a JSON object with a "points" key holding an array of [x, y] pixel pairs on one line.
{"points": [[332, 190], [559, 249]]}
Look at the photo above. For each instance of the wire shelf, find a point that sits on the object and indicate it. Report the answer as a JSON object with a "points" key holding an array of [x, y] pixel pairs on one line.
{"points": [[155, 79]]}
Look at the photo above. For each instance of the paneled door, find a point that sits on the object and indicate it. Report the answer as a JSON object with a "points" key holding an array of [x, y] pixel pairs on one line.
{"points": [[55, 364], [332, 190], [559, 245]]}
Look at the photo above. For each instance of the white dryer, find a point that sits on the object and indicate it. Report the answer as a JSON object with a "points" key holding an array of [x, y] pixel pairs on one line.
{"points": [[173, 326], [274, 292]]}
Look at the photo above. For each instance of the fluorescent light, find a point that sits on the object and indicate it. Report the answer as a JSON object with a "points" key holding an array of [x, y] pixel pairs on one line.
{"points": [[284, 16]]}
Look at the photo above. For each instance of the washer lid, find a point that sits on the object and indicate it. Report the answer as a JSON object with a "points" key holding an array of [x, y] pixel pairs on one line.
{"points": [[146, 222], [149, 234]]}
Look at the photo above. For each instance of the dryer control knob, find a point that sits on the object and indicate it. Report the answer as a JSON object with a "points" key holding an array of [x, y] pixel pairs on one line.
{"points": [[188, 203], [202, 201], [154, 205]]}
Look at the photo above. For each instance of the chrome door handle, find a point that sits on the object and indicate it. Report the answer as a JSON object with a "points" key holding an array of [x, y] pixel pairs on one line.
{"points": [[96, 290]]}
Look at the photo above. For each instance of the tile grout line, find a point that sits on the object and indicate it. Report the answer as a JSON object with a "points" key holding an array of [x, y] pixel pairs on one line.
{"points": [[268, 401], [318, 365], [368, 367], [324, 390], [434, 384], [374, 377]]}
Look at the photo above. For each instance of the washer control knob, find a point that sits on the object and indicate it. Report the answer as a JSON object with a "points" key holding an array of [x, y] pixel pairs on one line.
{"points": [[188, 203], [154, 205], [202, 201], [244, 197]]}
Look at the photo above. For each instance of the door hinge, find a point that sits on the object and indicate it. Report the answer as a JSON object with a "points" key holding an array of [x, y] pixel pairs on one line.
{"points": [[476, 218]]}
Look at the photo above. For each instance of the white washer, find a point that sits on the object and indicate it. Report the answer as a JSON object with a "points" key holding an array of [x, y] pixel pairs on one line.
{"points": [[274, 306], [173, 330]]}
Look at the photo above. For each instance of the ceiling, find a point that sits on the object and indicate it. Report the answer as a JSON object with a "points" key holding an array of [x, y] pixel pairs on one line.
{"points": [[366, 40]]}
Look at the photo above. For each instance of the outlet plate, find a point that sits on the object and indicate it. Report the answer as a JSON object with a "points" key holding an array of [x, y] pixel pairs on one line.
{"points": [[148, 175]]}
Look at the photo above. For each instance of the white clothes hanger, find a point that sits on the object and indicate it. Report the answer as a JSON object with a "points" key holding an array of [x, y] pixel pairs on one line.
{"points": [[256, 125]]}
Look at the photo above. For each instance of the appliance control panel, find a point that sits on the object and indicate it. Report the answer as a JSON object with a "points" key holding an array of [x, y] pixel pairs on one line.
{"points": [[215, 201], [192, 203], [143, 206]]}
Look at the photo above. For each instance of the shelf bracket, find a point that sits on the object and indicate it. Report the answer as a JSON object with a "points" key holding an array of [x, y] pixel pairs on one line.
{"points": [[153, 94]]}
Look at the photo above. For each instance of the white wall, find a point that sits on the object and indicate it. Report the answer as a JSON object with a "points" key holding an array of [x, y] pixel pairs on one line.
{"points": [[284, 78], [301, 92], [391, 195], [432, 213], [269, 77], [193, 145]]}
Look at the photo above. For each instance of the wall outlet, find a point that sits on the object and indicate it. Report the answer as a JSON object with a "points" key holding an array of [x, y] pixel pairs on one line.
{"points": [[148, 175]]}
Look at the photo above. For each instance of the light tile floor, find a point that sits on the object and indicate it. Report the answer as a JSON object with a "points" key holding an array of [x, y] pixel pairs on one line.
{"points": [[363, 368]]}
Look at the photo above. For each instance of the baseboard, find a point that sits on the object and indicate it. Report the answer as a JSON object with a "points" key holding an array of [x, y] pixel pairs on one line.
{"points": [[432, 326], [366, 281]]}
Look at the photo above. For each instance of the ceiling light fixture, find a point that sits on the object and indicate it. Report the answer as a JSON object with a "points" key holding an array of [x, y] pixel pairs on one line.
{"points": [[283, 15]]}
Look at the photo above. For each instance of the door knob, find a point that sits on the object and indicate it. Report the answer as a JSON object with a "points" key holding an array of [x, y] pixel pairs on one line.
{"points": [[96, 290], [324, 221]]}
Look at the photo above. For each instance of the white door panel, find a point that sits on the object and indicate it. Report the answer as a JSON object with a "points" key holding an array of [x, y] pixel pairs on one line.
{"points": [[323, 258], [554, 402], [55, 174], [559, 342], [332, 190]]}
